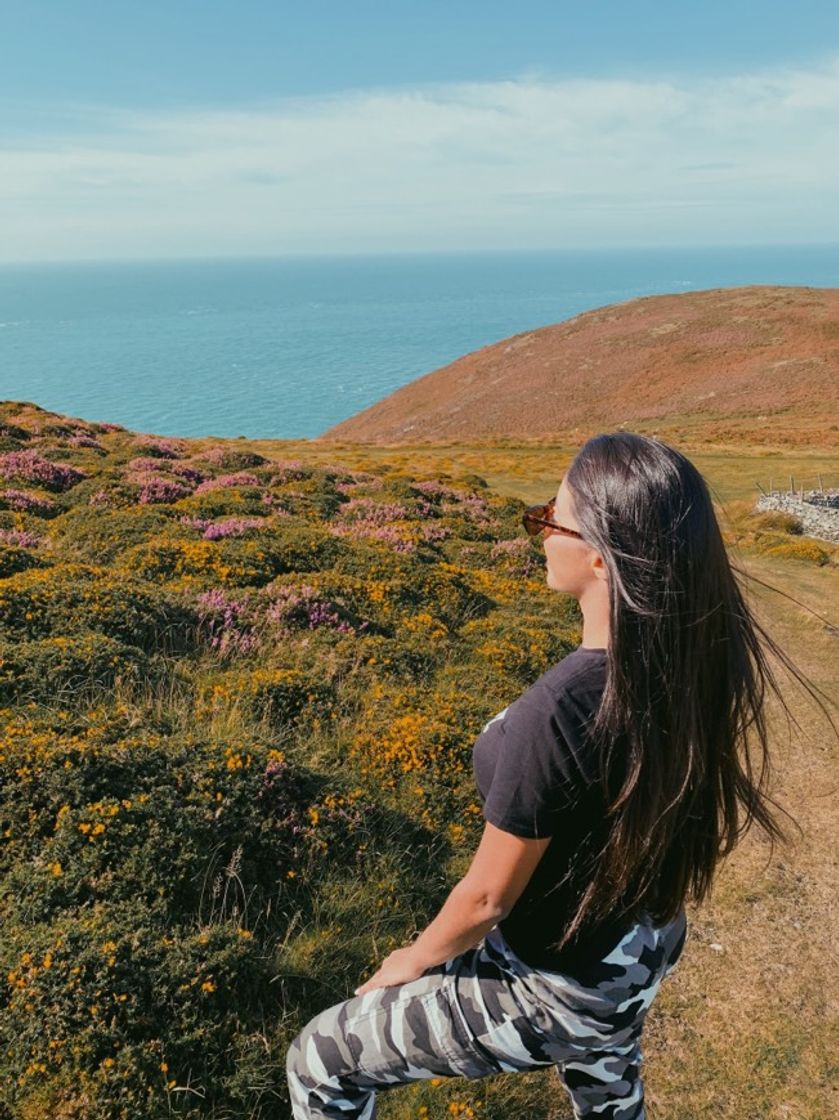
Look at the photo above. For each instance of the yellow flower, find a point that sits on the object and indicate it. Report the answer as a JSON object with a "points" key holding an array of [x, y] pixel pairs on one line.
{"points": [[208, 986]]}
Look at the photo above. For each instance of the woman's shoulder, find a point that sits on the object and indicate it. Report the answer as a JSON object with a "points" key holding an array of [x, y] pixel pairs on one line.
{"points": [[581, 670], [574, 682]]}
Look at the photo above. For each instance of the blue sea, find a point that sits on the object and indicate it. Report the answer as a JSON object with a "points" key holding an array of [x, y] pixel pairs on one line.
{"points": [[286, 348]]}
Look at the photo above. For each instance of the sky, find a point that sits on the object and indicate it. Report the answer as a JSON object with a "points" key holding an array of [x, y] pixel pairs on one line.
{"points": [[187, 129]]}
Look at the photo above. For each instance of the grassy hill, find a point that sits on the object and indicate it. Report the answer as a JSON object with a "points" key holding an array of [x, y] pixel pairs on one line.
{"points": [[757, 365], [240, 684]]}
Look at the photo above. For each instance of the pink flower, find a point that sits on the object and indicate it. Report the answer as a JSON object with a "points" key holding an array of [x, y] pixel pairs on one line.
{"points": [[520, 552], [24, 501], [371, 530], [225, 622], [232, 527], [157, 490], [19, 537], [371, 511], [35, 468], [163, 448], [242, 478], [302, 607], [85, 441]]}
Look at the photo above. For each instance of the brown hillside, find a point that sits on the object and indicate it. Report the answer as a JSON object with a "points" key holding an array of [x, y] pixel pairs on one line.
{"points": [[756, 363]]}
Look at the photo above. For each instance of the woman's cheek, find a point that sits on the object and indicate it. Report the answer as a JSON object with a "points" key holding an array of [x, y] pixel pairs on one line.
{"points": [[554, 578]]}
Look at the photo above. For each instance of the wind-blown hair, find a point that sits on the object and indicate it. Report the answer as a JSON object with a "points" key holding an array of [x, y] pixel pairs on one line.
{"points": [[683, 707]]}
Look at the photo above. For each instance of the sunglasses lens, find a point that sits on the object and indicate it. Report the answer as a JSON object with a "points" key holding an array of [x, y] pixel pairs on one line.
{"points": [[532, 517]]}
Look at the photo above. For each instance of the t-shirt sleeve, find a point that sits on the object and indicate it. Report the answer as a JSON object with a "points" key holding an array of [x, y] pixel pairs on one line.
{"points": [[533, 780]]}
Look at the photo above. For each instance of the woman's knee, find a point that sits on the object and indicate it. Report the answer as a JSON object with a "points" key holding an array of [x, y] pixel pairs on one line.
{"points": [[316, 1050]]}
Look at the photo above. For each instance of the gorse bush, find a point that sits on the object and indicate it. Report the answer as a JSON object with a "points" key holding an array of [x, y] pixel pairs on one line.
{"points": [[73, 598], [238, 703], [63, 667], [233, 562], [97, 535], [16, 558], [281, 696], [808, 550]]}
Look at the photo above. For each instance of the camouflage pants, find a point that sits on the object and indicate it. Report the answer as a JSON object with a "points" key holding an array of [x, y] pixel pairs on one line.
{"points": [[486, 1012]]}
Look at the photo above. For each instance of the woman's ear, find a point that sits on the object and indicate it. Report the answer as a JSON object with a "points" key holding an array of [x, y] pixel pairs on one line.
{"points": [[598, 567]]}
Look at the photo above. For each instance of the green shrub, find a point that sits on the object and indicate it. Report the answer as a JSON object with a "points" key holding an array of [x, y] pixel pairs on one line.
{"points": [[79, 598], [14, 559], [61, 667], [226, 501], [98, 535], [177, 895], [779, 521], [806, 549], [235, 562], [91, 1000], [409, 583], [149, 885], [516, 649], [282, 695], [229, 458], [314, 497]]}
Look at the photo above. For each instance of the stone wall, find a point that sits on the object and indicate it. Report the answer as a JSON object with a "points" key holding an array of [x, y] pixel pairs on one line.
{"points": [[817, 510]]}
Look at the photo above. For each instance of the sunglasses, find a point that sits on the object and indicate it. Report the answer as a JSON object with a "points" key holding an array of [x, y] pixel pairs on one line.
{"points": [[538, 518]]}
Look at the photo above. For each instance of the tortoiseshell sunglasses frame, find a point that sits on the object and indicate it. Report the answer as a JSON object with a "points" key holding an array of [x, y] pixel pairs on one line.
{"points": [[538, 518]]}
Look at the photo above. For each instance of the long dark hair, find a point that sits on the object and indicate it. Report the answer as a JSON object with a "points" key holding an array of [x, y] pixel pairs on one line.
{"points": [[681, 733]]}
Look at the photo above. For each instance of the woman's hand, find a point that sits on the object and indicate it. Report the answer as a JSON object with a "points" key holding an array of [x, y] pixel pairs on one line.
{"points": [[400, 967]]}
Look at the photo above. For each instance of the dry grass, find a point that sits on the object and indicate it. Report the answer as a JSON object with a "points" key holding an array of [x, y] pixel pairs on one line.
{"points": [[750, 1029]]}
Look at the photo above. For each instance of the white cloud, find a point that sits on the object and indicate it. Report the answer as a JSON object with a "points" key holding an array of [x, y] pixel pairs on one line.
{"points": [[525, 163]]}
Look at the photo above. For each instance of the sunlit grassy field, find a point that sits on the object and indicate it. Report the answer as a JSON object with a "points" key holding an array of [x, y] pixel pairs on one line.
{"points": [[241, 682]]}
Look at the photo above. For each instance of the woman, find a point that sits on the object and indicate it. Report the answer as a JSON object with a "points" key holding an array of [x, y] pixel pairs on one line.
{"points": [[611, 789]]}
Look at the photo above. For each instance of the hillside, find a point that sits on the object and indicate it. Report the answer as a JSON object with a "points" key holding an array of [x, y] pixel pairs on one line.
{"points": [[239, 688], [759, 364]]}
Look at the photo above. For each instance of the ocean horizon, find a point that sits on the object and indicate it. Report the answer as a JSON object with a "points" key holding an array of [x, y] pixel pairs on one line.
{"points": [[284, 348]]}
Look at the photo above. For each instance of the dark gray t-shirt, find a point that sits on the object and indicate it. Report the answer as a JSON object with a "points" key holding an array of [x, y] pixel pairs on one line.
{"points": [[537, 776]]}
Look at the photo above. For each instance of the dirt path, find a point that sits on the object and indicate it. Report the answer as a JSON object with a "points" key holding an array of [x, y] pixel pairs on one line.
{"points": [[747, 1025]]}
